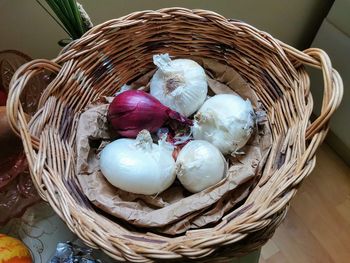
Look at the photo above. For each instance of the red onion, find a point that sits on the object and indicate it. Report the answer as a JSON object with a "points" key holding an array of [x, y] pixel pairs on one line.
{"points": [[133, 110]]}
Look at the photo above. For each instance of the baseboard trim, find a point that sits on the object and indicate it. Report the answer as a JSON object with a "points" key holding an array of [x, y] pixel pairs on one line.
{"points": [[338, 146]]}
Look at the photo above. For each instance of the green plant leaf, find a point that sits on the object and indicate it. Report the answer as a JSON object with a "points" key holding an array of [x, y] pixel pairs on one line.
{"points": [[52, 16], [65, 7], [68, 14], [57, 9], [77, 15]]}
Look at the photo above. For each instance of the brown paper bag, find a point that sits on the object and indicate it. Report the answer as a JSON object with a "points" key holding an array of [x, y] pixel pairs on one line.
{"points": [[175, 210]]}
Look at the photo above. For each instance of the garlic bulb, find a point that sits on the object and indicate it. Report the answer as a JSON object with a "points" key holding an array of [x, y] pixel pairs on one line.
{"points": [[225, 120], [180, 84], [138, 166], [199, 165]]}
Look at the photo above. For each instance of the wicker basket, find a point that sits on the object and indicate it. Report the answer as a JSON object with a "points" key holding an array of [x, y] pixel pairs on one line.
{"points": [[117, 51]]}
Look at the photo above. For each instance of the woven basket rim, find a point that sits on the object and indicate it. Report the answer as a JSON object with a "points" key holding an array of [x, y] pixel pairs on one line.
{"points": [[243, 231]]}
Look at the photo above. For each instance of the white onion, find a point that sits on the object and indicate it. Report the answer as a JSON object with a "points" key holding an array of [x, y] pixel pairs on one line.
{"points": [[199, 165], [138, 166], [225, 120], [180, 84]]}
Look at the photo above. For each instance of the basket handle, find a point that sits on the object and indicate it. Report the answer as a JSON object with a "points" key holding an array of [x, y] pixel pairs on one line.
{"points": [[14, 110], [332, 93], [333, 85]]}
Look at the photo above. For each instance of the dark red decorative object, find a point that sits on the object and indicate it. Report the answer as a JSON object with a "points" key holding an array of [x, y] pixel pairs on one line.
{"points": [[17, 191]]}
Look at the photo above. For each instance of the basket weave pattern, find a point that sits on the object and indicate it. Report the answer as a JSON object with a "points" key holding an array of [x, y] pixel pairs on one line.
{"points": [[117, 51]]}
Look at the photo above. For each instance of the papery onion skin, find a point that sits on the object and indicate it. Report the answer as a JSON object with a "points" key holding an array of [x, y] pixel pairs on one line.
{"points": [[138, 166], [225, 120], [180, 84], [199, 165], [133, 110]]}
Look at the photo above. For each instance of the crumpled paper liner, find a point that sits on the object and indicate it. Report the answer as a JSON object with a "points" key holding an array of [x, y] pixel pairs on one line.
{"points": [[175, 210]]}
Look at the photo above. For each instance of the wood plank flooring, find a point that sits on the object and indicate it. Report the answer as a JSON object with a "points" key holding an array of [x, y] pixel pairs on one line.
{"points": [[317, 226]]}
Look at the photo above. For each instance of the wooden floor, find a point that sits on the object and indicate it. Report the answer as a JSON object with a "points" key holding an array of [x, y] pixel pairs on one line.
{"points": [[317, 227]]}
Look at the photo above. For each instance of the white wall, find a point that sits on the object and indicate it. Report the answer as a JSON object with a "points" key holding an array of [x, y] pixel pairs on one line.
{"points": [[26, 27]]}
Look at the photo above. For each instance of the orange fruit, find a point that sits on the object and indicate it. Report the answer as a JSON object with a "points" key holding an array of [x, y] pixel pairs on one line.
{"points": [[13, 251]]}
